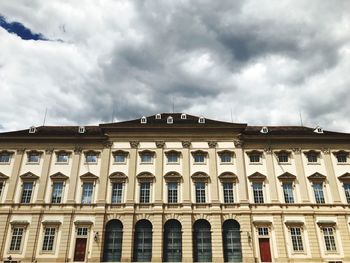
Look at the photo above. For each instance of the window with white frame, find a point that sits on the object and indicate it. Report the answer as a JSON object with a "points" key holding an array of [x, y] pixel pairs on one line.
{"points": [[145, 192], [117, 193], [172, 192], [16, 239], [226, 157], [318, 192], [172, 157], [57, 192], [62, 157], [146, 157], [5, 157], [347, 192], [91, 157], [49, 239], [27, 191], [82, 231], [228, 192], [87, 193], [199, 157], [329, 239], [33, 157], [263, 231], [258, 193], [200, 192], [120, 158], [288, 192], [297, 239]]}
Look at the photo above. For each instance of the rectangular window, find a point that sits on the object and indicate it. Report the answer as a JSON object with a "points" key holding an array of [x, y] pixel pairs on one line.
{"points": [[347, 192], [33, 158], [228, 192], [146, 158], [16, 239], [254, 158], [341, 158], [119, 158], [258, 193], [57, 190], [312, 157], [173, 158], [172, 192], [297, 240], [91, 158], [145, 192], [5, 158], [199, 158], [62, 158], [283, 158], [49, 239], [318, 192], [2, 184], [226, 158], [117, 193], [200, 192], [288, 193], [88, 189], [329, 240], [263, 231], [26, 193], [82, 231]]}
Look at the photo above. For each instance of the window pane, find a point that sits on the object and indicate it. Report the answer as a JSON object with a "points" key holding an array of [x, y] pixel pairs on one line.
{"points": [[16, 239], [119, 158], [33, 158], [172, 158], [117, 192], [328, 235], [145, 192], [342, 158], [258, 193], [57, 189], [312, 158], [172, 192], [26, 192], [228, 192], [91, 158], [62, 158], [49, 239], [225, 158], [146, 158], [288, 193], [318, 191], [347, 192], [4, 158], [199, 158], [87, 193], [297, 240], [254, 158], [200, 192], [283, 158]]}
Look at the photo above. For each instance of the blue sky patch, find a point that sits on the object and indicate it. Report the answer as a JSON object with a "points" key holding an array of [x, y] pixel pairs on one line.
{"points": [[20, 30]]}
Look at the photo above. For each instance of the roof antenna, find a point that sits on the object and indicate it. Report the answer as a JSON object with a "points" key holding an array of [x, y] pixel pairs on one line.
{"points": [[231, 115], [45, 117], [301, 119]]}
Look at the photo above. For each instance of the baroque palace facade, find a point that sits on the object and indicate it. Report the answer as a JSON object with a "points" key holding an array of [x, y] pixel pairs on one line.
{"points": [[174, 187]]}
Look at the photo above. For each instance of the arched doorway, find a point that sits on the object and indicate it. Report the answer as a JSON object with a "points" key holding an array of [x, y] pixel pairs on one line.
{"points": [[143, 241], [172, 241], [231, 235], [202, 241], [113, 241]]}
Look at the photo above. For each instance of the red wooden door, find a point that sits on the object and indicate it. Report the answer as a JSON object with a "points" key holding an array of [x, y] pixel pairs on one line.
{"points": [[265, 253], [80, 248]]}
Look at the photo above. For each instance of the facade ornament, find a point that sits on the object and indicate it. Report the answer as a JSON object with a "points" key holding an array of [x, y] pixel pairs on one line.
{"points": [[49, 150], [107, 144], [238, 143], [268, 149], [160, 144], [296, 150], [78, 149], [186, 144], [326, 150], [134, 144], [212, 144]]}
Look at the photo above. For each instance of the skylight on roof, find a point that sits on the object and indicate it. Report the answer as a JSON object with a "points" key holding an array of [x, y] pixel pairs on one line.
{"points": [[143, 120], [170, 120]]}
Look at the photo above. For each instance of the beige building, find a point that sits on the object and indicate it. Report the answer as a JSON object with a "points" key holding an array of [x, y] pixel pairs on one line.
{"points": [[174, 187]]}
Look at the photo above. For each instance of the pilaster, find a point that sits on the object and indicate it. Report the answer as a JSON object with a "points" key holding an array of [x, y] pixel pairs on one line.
{"points": [[216, 237], [14, 178], [280, 239], [271, 175], [130, 196], [187, 246], [304, 193], [186, 160], [213, 174], [157, 238], [73, 178], [128, 238], [103, 178], [331, 176], [44, 177], [159, 173], [241, 174]]}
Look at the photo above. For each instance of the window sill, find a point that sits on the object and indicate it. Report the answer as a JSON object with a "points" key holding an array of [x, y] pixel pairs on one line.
{"points": [[61, 163], [116, 163], [146, 162], [257, 163], [5, 163], [173, 163], [342, 163], [90, 163], [315, 163], [199, 163], [32, 163], [284, 163], [226, 163]]}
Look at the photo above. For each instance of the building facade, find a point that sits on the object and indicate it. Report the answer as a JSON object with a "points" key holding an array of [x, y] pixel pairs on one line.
{"points": [[174, 187]]}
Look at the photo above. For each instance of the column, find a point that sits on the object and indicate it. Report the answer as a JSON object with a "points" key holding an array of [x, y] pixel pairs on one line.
{"points": [[44, 177], [14, 178], [33, 231], [157, 238], [5, 219], [304, 193], [186, 160], [213, 174], [246, 238], [97, 249], [130, 196], [187, 246], [216, 237], [241, 173], [159, 173], [343, 228], [128, 238], [311, 227], [66, 232], [103, 178], [280, 238], [331, 176], [73, 178], [271, 175]]}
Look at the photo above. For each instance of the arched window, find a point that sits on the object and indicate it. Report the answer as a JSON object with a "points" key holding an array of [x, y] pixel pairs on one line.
{"points": [[143, 241], [113, 241], [202, 241], [172, 241], [232, 241]]}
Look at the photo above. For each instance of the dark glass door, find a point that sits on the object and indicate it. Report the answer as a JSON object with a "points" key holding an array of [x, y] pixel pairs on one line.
{"points": [[202, 241], [143, 241], [232, 241], [80, 249], [172, 241], [113, 241]]}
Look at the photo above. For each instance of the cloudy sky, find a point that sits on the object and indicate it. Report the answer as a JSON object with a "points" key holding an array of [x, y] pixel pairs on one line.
{"points": [[266, 62]]}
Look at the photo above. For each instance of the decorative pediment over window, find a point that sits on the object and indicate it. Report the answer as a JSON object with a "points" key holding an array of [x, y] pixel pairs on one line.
{"points": [[88, 177], [35, 152], [173, 176], [63, 152], [200, 176], [228, 177], [257, 177], [287, 177], [345, 178], [172, 152], [317, 153], [120, 152], [262, 223], [222, 152], [145, 176], [199, 152], [341, 152], [292, 223], [147, 152], [17, 223], [83, 222], [51, 222], [7, 152], [326, 223], [118, 177], [92, 152], [252, 152], [29, 176], [3, 177], [317, 177], [58, 177], [283, 152]]}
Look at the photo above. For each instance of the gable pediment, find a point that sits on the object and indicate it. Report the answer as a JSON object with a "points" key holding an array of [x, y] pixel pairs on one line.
{"points": [[344, 178], [88, 176], [58, 176], [287, 177], [3, 176], [118, 176], [257, 177], [317, 177], [29, 176], [228, 176]]}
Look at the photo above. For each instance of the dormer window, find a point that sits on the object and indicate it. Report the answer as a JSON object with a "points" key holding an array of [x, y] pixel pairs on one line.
{"points": [[144, 120], [318, 129], [81, 129], [33, 157], [183, 116], [170, 120], [264, 130], [201, 120], [32, 129], [158, 116]]}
